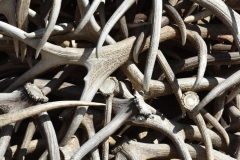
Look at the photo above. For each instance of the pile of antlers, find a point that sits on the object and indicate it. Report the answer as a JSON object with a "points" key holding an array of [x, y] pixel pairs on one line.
{"points": [[163, 76]]}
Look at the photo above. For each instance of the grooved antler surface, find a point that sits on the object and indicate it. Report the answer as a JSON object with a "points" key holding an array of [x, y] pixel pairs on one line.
{"points": [[86, 51]]}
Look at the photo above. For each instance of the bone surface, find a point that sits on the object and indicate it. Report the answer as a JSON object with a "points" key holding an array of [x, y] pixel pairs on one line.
{"points": [[119, 79]]}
